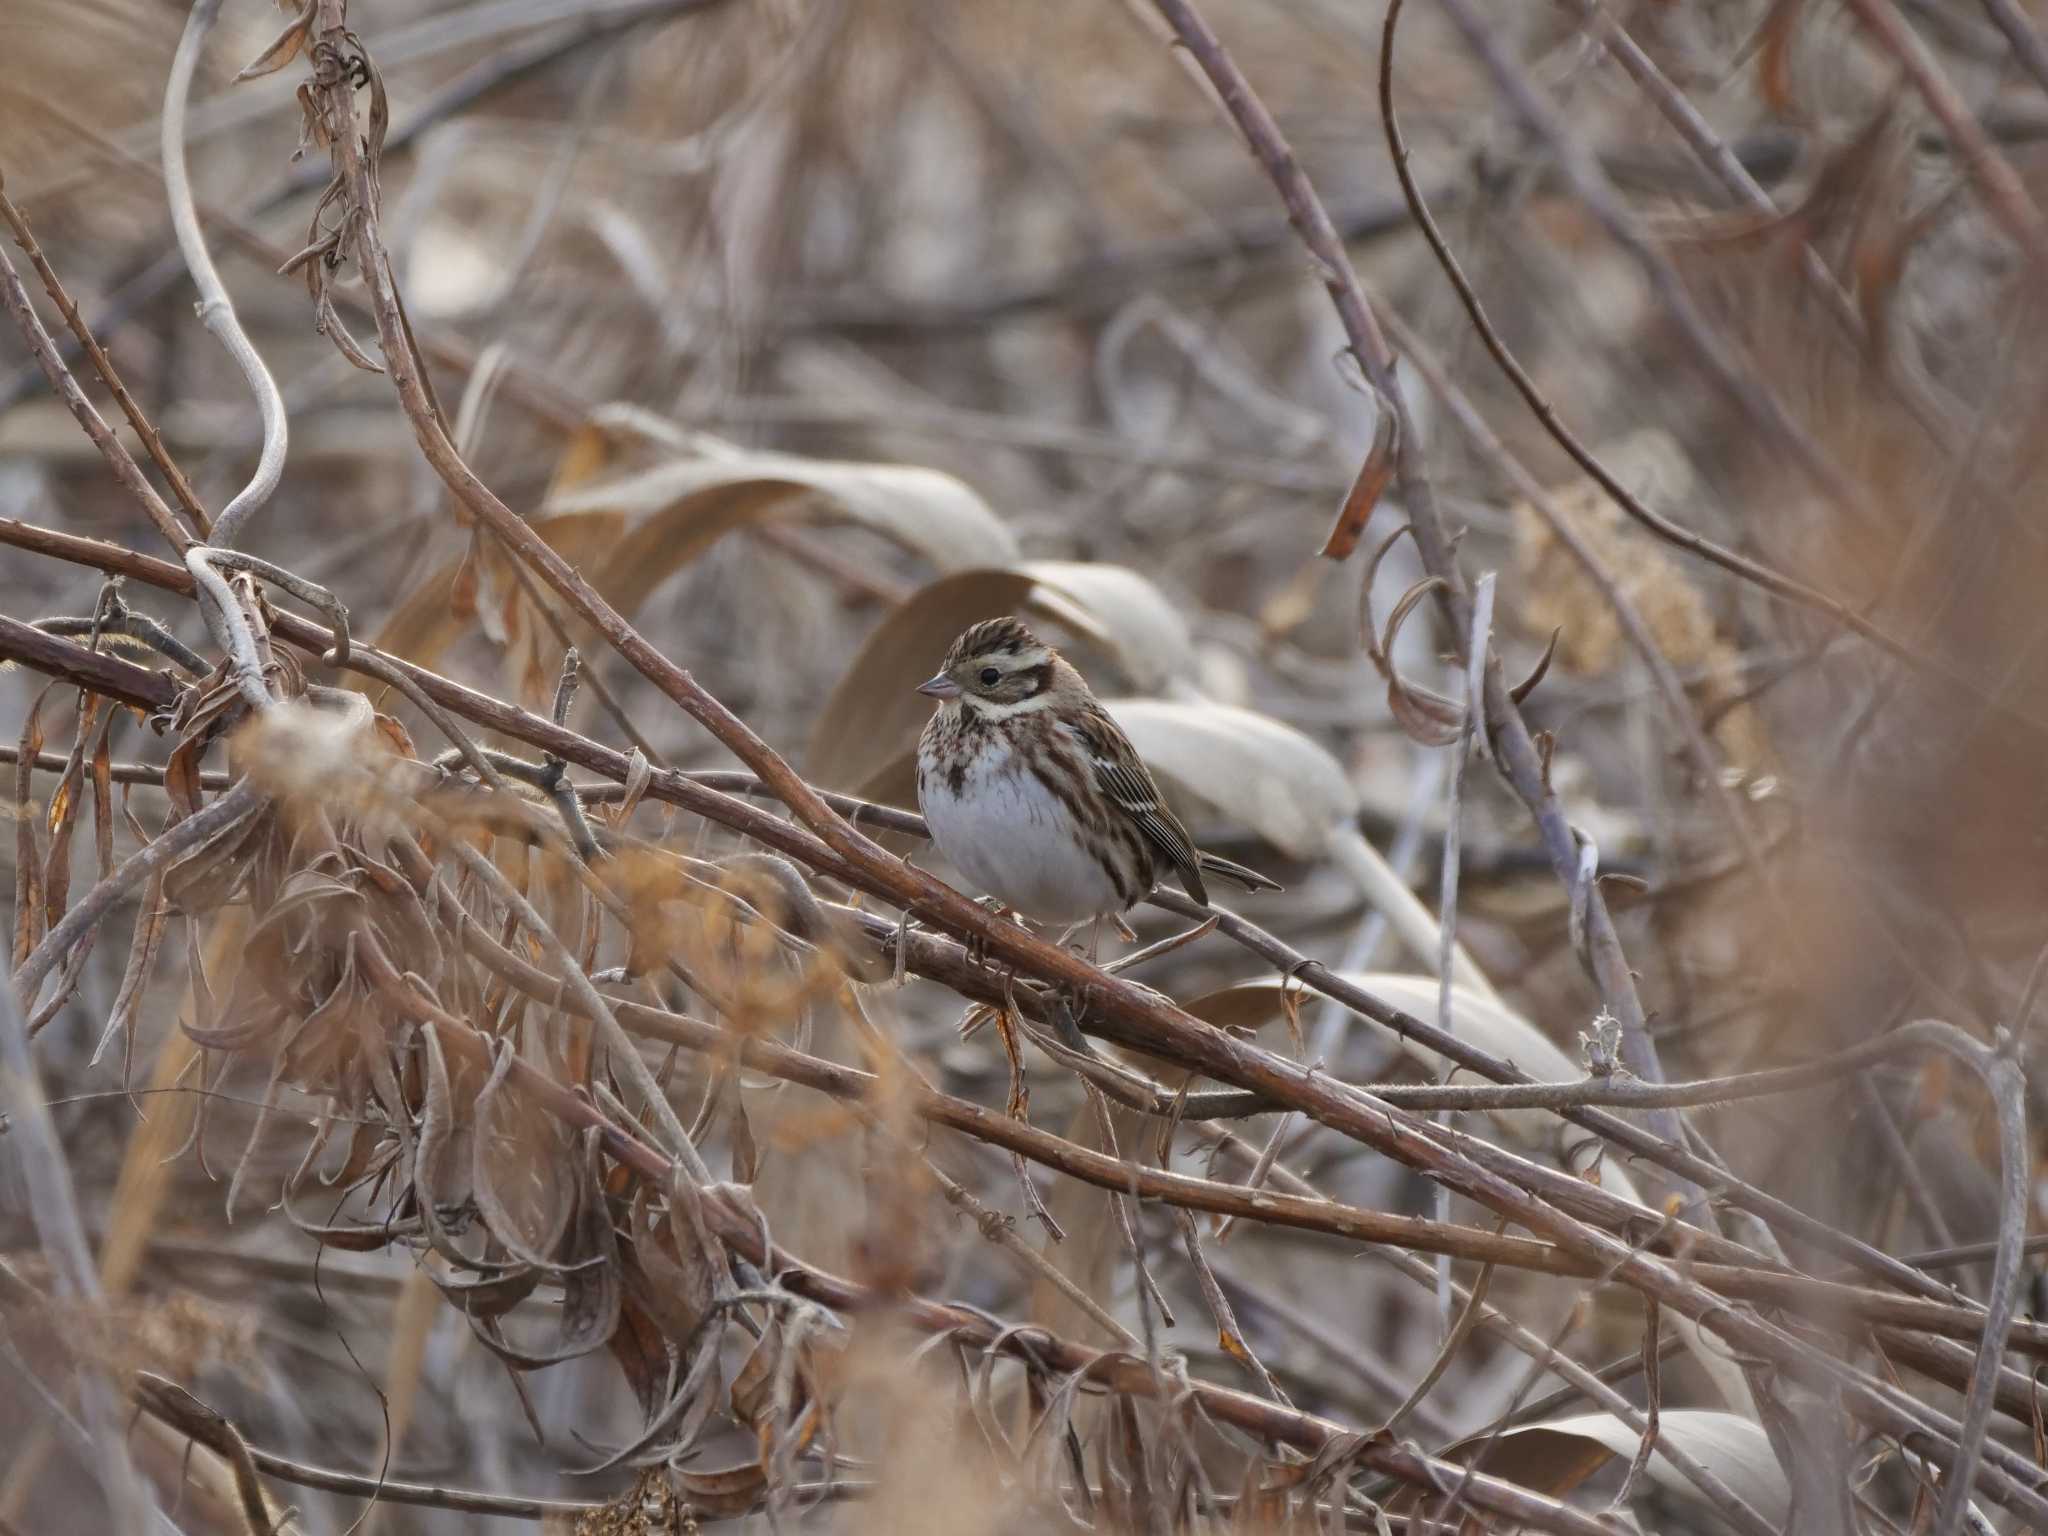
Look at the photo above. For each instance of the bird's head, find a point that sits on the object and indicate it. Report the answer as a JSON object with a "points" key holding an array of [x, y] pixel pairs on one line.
{"points": [[999, 668]]}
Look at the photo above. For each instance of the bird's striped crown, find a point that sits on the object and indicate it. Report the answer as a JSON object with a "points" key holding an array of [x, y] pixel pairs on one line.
{"points": [[1005, 637]]}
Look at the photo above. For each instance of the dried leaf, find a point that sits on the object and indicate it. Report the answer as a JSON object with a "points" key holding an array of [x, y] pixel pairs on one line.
{"points": [[199, 881], [1541, 670], [328, 322], [591, 1293], [1425, 715], [1555, 1456], [103, 799], [722, 1493], [1368, 628], [445, 1156], [1373, 477], [1417, 712], [251, 1014], [525, 1170], [683, 1281], [746, 1157], [491, 1295], [718, 487], [395, 736], [152, 917], [589, 451], [282, 49], [753, 1389], [92, 725], [642, 1353]]}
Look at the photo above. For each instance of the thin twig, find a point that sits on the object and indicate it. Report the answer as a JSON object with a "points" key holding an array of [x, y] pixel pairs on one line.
{"points": [[44, 350], [2003, 191], [1516, 751], [176, 1407], [145, 429], [1753, 571]]}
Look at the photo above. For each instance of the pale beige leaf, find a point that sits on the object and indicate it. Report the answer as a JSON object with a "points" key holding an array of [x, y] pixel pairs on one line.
{"points": [[866, 734], [1151, 637], [934, 514], [1409, 920], [1255, 772], [630, 534], [1555, 1456], [430, 619]]}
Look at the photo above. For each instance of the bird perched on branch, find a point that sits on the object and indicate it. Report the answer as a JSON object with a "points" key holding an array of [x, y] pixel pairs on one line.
{"points": [[1037, 796]]}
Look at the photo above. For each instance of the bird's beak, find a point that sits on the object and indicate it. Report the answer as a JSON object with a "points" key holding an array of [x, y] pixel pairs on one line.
{"points": [[940, 687]]}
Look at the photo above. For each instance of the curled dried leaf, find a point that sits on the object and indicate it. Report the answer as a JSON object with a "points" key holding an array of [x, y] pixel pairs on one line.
{"points": [[1537, 673], [282, 49], [1368, 627], [1424, 714], [492, 1294], [327, 321]]}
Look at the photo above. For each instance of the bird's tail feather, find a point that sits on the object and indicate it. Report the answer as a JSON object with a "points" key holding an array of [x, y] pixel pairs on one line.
{"points": [[1250, 879]]}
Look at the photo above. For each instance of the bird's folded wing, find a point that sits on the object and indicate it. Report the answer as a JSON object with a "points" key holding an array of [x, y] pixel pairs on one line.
{"points": [[1127, 784]]}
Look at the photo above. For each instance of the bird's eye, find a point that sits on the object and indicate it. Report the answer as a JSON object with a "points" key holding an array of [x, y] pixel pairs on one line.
{"points": [[990, 676]]}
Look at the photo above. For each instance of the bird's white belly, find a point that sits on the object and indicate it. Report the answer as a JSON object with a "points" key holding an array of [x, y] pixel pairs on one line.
{"points": [[1010, 837]]}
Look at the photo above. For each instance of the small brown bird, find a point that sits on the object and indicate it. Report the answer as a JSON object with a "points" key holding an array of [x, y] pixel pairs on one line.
{"points": [[1036, 795]]}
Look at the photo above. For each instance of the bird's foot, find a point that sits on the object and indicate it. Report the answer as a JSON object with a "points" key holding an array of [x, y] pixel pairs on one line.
{"points": [[977, 947], [1069, 1003]]}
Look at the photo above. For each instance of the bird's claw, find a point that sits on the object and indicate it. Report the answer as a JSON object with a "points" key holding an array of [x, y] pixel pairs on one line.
{"points": [[977, 946]]}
